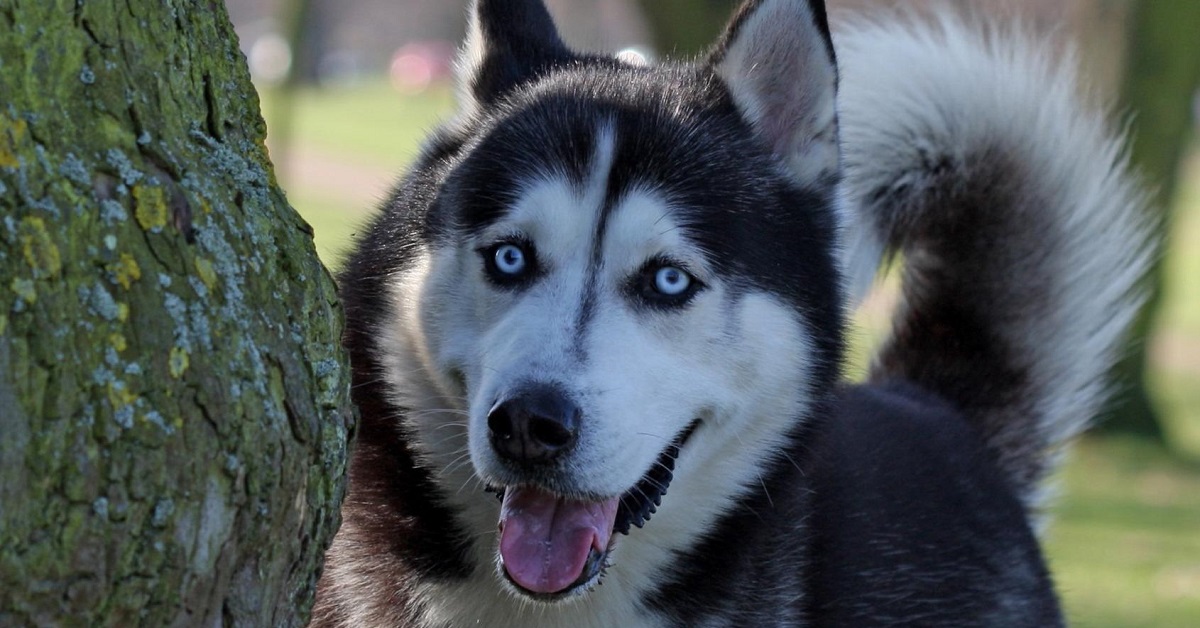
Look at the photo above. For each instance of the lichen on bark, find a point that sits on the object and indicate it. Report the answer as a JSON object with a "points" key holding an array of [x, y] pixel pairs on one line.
{"points": [[173, 398]]}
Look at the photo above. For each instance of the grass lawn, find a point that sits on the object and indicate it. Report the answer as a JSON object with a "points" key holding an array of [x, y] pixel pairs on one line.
{"points": [[367, 121], [366, 129], [1125, 542]]}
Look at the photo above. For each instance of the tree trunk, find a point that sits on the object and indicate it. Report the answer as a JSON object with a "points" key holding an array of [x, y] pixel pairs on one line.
{"points": [[1161, 77], [173, 401]]}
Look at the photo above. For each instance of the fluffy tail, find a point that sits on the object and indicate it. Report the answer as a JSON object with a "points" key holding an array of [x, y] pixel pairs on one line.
{"points": [[1024, 235]]}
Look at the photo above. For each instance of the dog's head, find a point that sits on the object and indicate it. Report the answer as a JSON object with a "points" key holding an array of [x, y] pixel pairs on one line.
{"points": [[627, 274]]}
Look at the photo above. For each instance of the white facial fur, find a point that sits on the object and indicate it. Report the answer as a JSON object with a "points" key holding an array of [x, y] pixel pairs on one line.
{"points": [[733, 357]]}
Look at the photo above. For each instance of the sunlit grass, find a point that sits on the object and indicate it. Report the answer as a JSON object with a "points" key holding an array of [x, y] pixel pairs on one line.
{"points": [[1125, 543], [367, 121], [368, 129]]}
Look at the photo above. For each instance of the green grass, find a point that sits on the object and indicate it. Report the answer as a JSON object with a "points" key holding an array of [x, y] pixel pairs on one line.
{"points": [[1125, 542], [368, 121], [366, 126]]}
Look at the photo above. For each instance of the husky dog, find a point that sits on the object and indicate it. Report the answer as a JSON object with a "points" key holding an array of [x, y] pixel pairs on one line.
{"points": [[597, 332]]}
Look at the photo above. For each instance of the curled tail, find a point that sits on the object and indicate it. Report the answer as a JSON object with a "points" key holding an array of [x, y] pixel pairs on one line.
{"points": [[1024, 235]]}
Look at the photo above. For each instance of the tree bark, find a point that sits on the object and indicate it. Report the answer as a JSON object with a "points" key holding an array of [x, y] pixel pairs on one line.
{"points": [[1162, 74], [173, 401]]}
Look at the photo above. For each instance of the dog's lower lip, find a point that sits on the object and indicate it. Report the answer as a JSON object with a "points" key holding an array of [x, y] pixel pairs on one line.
{"points": [[595, 564]]}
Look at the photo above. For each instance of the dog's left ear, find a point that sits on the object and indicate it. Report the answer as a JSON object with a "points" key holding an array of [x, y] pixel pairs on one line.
{"points": [[777, 59], [508, 43]]}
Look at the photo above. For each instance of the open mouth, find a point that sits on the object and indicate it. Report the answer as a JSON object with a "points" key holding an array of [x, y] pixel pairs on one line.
{"points": [[552, 546]]}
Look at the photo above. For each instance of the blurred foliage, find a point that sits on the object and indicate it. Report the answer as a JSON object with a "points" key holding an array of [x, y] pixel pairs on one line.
{"points": [[685, 28], [1162, 74]]}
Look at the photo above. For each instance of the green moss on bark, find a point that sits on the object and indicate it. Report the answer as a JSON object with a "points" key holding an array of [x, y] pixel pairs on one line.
{"points": [[173, 399]]}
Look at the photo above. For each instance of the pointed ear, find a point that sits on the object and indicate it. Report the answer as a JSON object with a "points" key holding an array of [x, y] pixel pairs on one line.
{"points": [[777, 60], [508, 43]]}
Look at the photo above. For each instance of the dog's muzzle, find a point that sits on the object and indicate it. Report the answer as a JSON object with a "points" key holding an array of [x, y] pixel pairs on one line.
{"points": [[551, 544]]}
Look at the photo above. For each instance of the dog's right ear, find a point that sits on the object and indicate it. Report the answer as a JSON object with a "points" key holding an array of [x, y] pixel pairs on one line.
{"points": [[508, 43], [778, 61]]}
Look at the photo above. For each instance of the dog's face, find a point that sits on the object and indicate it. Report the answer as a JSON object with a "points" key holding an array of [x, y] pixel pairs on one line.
{"points": [[628, 283]]}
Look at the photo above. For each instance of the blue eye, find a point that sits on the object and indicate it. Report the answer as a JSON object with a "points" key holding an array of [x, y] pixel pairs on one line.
{"points": [[664, 283], [671, 281], [509, 260], [510, 264]]}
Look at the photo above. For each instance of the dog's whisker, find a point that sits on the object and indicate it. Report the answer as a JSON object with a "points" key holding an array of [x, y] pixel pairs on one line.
{"points": [[655, 436]]}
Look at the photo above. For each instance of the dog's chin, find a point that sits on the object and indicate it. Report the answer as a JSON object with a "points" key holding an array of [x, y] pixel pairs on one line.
{"points": [[555, 547]]}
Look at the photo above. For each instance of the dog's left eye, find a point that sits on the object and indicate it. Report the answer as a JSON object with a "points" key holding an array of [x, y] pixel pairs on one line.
{"points": [[672, 282], [664, 283]]}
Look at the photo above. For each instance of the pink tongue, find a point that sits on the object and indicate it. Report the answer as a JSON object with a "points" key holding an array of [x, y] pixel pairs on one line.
{"points": [[545, 540]]}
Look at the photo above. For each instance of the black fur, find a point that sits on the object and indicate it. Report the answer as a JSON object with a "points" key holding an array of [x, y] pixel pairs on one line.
{"points": [[948, 336], [886, 537], [899, 541]]}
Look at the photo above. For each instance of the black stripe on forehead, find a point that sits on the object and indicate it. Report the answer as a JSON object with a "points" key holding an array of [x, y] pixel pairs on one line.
{"points": [[551, 140], [601, 168], [549, 129]]}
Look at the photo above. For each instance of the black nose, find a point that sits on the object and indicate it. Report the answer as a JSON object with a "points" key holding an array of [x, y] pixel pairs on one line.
{"points": [[536, 425]]}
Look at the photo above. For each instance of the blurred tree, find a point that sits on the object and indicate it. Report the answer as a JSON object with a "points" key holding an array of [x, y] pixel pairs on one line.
{"points": [[1162, 74], [300, 29], [686, 27], [307, 25], [173, 405]]}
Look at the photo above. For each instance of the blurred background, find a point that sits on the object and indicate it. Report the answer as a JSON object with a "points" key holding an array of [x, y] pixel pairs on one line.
{"points": [[349, 88]]}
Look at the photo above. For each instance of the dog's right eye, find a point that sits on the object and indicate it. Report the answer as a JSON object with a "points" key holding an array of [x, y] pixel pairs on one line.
{"points": [[508, 262]]}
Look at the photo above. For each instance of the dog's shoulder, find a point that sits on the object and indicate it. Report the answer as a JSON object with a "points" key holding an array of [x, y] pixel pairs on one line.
{"points": [[913, 522]]}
